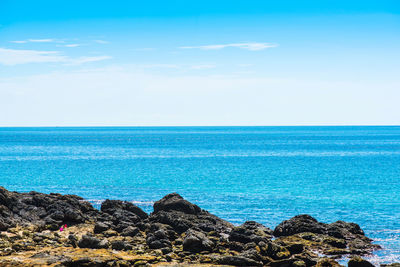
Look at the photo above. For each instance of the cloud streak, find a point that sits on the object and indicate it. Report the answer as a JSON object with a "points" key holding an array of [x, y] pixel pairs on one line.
{"points": [[83, 60], [101, 41], [246, 46], [12, 57], [34, 41], [72, 45]]}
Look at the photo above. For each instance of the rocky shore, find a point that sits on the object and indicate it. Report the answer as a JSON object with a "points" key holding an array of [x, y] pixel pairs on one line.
{"points": [[176, 233]]}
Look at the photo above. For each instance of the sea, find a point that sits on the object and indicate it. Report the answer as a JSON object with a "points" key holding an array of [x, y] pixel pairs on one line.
{"points": [[266, 174]]}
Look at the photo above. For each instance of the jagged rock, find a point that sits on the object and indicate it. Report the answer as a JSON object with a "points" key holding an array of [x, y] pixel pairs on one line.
{"points": [[120, 245], [123, 214], [92, 242], [42, 209], [359, 262], [72, 240], [158, 239], [295, 248], [236, 246], [299, 224], [327, 262], [113, 206], [162, 230], [100, 227], [177, 203], [182, 215], [130, 231], [250, 232], [196, 242], [335, 242]]}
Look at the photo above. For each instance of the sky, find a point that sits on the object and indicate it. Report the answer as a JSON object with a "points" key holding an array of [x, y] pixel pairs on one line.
{"points": [[181, 63]]}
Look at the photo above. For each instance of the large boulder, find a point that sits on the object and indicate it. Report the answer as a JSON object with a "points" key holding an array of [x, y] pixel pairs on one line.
{"points": [[174, 202], [43, 209], [196, 241], [113, 206], [250, 231], [299, 224], [88, 241], [359, 262], [121, 214], [182, 215], [306, 223], [338, 238], [341, 229]]}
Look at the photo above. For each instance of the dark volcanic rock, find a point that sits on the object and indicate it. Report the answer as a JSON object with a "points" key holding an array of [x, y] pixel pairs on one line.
{"points": [[122, 214], [196, 242], [130, 231], [177, 203], [92, 242], [120, 245], [250, 231], [42, 209], [158, 237], [327, 262], [343, 234], [177, 231], [113, 206], [182, 215], [359, 262], [341, 229], [299, 224], [100, 227]]}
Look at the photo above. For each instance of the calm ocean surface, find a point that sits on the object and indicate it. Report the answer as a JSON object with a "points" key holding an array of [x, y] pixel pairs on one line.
{"points": [[266, 174]]}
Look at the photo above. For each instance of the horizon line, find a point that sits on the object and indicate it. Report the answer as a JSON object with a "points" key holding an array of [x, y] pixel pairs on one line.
{"points": [[182, 126]]}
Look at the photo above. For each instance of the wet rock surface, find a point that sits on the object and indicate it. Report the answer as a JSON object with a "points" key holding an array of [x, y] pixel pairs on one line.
{"points": [[176, 233]]}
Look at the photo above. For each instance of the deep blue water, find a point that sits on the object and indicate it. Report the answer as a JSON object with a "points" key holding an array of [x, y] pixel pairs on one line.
{"points": [[266, 174]]}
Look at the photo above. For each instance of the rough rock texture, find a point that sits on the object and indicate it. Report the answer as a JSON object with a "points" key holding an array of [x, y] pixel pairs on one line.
{"points": [[182, 215], [42, 210], [196, 241], [250, 231], [359, 262], [176, 233]]}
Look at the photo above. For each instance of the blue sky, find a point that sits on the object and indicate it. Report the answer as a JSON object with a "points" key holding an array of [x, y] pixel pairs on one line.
{"points": [[199, 63]]}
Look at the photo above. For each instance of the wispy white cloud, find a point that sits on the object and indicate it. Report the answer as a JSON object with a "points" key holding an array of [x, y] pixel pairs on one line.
{"points": [[101, 41], [246, 46], [19, 42], [34, 41], [42, 40], [82, 60], [14, 57], [11, 57], [71, 45]]}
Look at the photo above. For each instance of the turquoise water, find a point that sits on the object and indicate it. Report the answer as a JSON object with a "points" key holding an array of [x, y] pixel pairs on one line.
{"points": [[266, 174]]}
